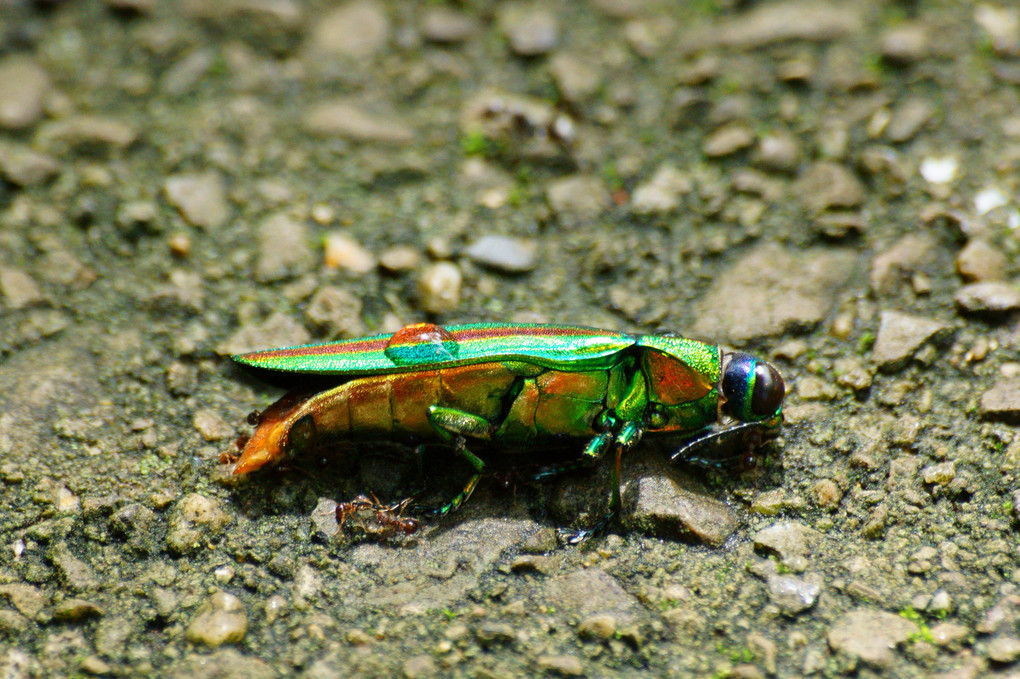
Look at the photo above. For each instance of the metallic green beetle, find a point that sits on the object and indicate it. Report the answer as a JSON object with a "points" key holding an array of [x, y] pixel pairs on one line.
{"points": [[517, 385]]}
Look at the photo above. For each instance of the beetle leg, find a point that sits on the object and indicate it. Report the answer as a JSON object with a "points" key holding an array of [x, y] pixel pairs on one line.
{"points": [[451, 425], [627, 437], [593, 452]]}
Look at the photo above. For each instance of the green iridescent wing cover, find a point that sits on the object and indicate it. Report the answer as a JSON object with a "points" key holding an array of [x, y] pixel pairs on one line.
{"points": [[425, 346]]}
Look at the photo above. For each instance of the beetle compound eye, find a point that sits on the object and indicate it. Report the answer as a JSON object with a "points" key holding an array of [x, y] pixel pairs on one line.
{"points": [[769, 390], [754, 390]]}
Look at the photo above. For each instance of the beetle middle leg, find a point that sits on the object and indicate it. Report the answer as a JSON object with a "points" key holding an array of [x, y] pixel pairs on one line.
{"points": [[626, 438]]}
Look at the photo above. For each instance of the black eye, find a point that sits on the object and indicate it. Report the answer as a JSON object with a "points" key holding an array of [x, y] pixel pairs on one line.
{"points": [[753, 389], [769, 390]]}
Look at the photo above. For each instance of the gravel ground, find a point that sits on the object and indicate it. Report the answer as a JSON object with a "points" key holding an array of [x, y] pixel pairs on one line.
{"points": [[835, 186]]}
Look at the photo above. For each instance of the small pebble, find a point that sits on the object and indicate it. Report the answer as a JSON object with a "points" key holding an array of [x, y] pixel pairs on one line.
{"points": [[220, 620], [180, 245], [900, 336], [826, 493], [1002, 24], [979, 261], [779, 152], [399, 258], [1004, 649], [939, 169], [531, 32], [601, 626], [343, 119], [336, 311], [439, 288], [563, 665], [905, 43], [794, 594], [283, 249], [990, 297], [1002, 401], [446, 25], [200, 198], [989, 199], [340, 251], [420, 667], [825, 185], [195, 520], [18, 289], [727, 140], [356, 30], [661, 193], [23, 88]]}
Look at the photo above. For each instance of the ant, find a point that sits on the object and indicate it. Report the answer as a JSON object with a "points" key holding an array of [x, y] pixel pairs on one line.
{"points": [[390, 517]]}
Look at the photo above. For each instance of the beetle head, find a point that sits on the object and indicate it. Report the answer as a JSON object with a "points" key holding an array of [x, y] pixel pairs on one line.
{"points": [[753, 389]]}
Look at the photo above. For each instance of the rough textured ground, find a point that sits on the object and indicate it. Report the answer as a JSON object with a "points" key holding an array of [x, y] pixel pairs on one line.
{"points": [[833, 185]]}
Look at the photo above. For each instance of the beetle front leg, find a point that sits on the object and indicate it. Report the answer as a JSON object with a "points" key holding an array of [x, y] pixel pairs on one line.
{"points": [[452, 425]]}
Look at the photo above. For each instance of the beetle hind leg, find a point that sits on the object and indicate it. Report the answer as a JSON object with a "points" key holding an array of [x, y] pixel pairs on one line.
{"points": [[452, 425]]}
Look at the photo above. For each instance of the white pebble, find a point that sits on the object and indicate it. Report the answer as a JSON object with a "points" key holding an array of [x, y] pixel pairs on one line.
{"points": [[939, 169]]}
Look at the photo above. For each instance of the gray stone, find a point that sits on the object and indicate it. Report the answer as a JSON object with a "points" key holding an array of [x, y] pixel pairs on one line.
{"points": [[23, 88], [901, 335], [870, 635], [512, 255], [1002, 401], [663, 508], [355, 29], [588, 592], [990, 297], [342, 118], [825, 185], [284, 249], [793, 594], [771, 290], [221, 619], [201, 198]]}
